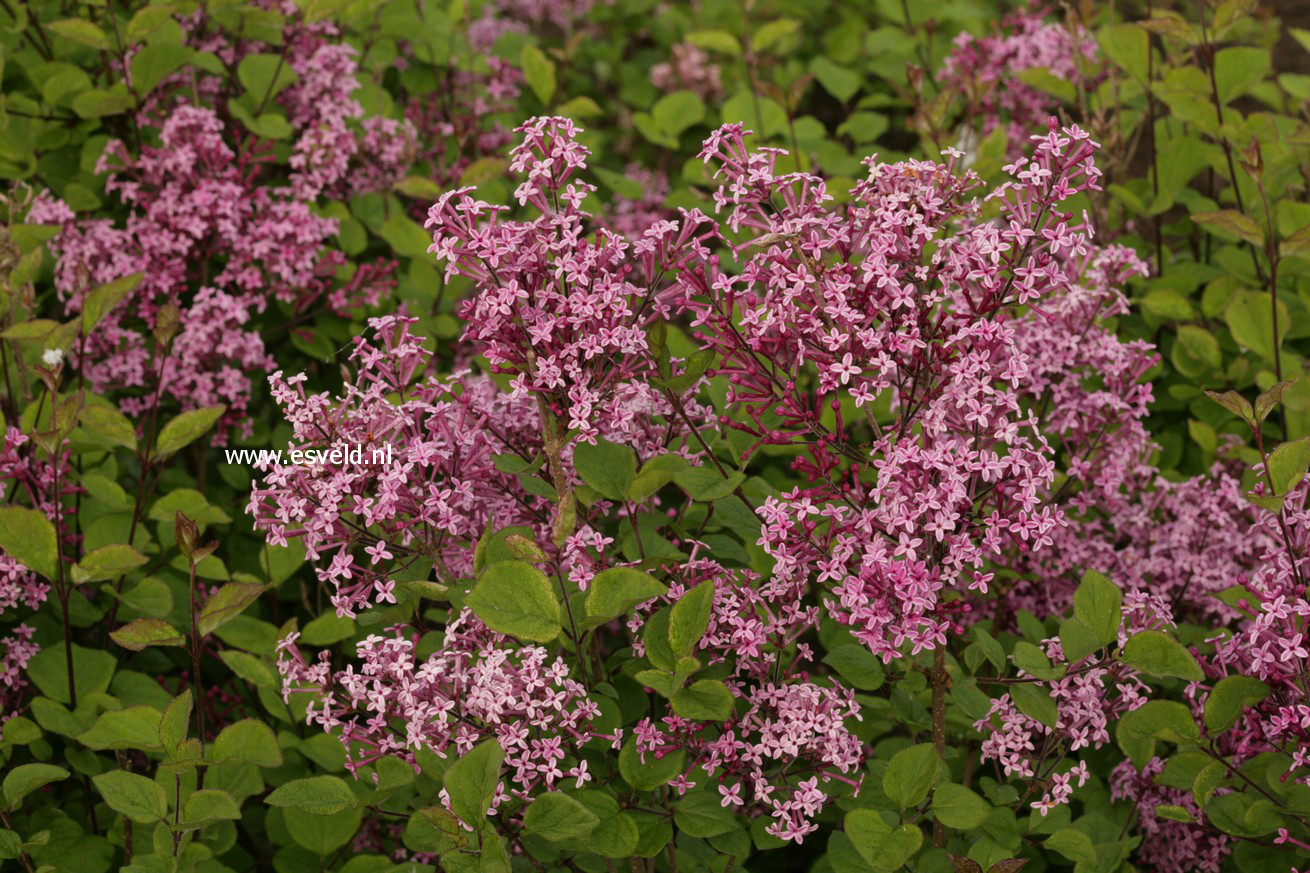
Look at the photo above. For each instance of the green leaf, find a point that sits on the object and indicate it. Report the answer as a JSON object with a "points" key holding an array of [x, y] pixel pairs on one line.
{"points": [[320, 795], [248, 740], [707, 483], [702, 814], [322, 834], [538, 72], [1238, 69], [136, 727], [1229, 697], [1288, 464], [174, 722], [93, 668], [28, 537], [882, 847], [154, 63], [703, 700], [910, 775], [108, 424], [690, 618], [1232, 223], [1159, 654], [405, 237], [102, 299], [1073, 844], [328, 629], [1033, 661], [140, 799], [249, 668], [581, 106], [144, 632], [1035, 702], [555, 816], [774, 33], [79, 30], [264, 76], [857, 665], [715, 41], [226, 604], [606, 467], [651, 773], [26, 778], [841, 82], [209, 805], [1128, 46], [1243, 815], [471, 782], [615, 591], [434, 830], [99, 103], [186, 428], [108, 562], [1251, 323], [1077, 640], [678, 111], [1234, 403], [1166, 720], [516, 598], [1098, 604], [957, 807]]}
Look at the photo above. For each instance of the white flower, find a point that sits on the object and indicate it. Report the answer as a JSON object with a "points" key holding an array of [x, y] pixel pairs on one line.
{"points": [[53, 357]]}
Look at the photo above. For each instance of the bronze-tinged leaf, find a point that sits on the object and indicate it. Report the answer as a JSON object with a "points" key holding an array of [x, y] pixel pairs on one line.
{"points": [[961, 864], [1009, 865]]}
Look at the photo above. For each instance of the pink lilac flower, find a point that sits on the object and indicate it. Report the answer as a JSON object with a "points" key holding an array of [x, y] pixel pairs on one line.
{"points": [[564, 315], [689, 69], [1167, 845], [898, 298], [987, 70], [478, 685], [18, 650], [1185, 540]]}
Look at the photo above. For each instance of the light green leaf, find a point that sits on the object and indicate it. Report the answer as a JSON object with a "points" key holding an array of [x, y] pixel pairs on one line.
{"points": [[615, 591], [471, 782], [320, 795], [957, 807], [555, 816], [538, 72], [1158, 654], [186, 428], [140, 799], [28, 537], [1098, 604], [910, 775], [516, 598]]}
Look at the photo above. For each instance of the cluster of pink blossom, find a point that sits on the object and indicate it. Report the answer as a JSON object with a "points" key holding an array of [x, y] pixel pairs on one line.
{"points": [[29, 477], [526, 16], [986, 70], [478, 685], [792, 727], [1167, 844], [212, 236], [632, 216], [433, 496], [690, 69], [792, 740], [1088, 698], [18, 650], [898, 297], [1272, 644], [565, 315], [1182, 539]]}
